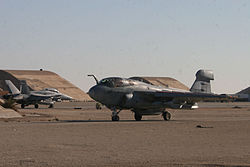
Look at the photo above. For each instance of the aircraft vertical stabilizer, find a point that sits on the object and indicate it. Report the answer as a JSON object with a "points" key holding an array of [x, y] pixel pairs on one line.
{"points": [[202, 82], [12, 88], [24, 87]]}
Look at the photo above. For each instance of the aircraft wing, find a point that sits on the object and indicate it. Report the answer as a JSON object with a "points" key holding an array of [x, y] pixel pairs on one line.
{"points": [[166, 98], [38, 97], [190, 96], [182, 96]]}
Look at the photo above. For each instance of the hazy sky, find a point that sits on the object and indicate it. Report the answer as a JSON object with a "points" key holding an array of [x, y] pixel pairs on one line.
{"points": [[129, 38]]}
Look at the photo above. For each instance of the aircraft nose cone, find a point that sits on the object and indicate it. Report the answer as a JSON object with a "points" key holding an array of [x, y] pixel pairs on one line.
{"points": [[98, 93], [92, 93], [66, 97]]}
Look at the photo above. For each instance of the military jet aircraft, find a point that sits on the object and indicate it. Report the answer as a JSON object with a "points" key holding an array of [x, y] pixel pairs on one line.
{"points": [[56, 95], [59, 96], [145, 99], [26, 97]]}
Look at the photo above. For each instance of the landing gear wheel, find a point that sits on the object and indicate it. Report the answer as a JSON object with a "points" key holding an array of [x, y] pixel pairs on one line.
{"points": [[36, 106], [166, 116], [115, 118], [138, 117], [98, 106], [22, 106], [115, 113], [51, 106]]}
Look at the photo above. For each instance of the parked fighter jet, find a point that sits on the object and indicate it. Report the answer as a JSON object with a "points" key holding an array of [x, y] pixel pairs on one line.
{"points": [[146, 99], [26, 97], [56, 95], [59, 96]]}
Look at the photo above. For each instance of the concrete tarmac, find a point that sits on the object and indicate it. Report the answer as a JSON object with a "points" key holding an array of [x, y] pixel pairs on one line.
{"points": [[76, 134]]}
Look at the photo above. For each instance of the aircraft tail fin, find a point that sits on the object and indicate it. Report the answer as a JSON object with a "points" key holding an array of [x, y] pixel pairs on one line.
{"points": [[12, 87], [202, 82], [24, 87]]}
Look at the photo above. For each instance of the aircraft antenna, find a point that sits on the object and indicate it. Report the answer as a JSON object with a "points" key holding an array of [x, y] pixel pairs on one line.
{"points": [[94, 78]]}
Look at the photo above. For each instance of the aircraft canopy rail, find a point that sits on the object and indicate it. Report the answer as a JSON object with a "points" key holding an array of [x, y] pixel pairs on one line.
{"points": [[116, 82]]}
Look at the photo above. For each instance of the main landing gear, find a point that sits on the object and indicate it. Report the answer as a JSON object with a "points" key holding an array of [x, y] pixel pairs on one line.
{"points": [[166, 115], [137, 116], [36, 105], [22, 105], [51, 106]]}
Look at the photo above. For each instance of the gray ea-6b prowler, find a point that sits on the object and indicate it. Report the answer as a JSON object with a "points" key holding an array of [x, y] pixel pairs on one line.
{"points": [[146, 99]]}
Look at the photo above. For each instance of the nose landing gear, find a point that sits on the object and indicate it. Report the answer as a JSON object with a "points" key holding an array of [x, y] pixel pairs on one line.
{"points": [[115, 116]]}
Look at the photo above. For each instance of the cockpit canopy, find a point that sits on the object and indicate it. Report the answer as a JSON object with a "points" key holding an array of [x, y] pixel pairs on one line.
{"points": [[51, 89], [116, 82]]}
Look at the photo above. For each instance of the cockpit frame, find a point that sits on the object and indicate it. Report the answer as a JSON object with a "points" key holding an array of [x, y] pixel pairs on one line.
{"points": [[115, 82]]}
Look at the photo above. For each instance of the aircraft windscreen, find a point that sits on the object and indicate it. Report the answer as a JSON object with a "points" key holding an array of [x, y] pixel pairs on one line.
{"points": [[116, 82]]}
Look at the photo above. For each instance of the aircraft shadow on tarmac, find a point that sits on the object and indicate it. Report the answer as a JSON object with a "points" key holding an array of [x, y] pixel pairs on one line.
{"points": [[72, 121], [103, 121]]}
